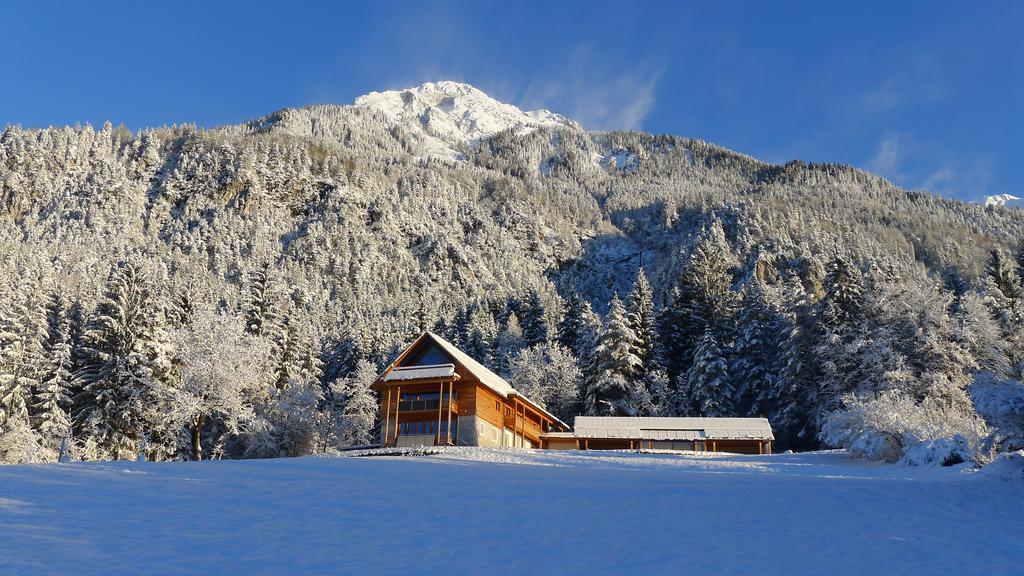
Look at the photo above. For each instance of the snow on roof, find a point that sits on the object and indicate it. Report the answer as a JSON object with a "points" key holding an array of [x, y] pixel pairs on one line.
{"points": [[652, 428], [420, 372], [486, 377], [495, 383]]}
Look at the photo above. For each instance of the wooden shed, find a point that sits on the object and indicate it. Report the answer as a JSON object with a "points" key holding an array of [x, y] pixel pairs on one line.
{"points": [[739, 435], [435, 394]]}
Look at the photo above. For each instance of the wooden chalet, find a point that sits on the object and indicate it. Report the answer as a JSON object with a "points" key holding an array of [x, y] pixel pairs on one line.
{"points": [[434, 394], [738, 435]]}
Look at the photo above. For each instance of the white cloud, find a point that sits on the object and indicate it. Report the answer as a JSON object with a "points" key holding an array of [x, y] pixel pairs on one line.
{"points": [[599, 94], [940, 179], [888, 159]]}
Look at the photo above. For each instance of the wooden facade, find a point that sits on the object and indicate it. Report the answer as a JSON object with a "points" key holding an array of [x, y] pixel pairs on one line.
{"points": [[434, 394]]}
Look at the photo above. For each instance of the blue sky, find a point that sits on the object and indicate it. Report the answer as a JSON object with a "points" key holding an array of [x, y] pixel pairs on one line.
{"points": [[927, 94]]}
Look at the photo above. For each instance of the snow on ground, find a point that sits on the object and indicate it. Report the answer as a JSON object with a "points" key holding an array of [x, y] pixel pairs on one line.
{"points": [[473, 511]]}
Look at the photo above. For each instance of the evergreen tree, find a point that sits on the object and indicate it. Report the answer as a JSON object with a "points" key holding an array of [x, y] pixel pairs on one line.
{"points": [[611, 377], [578, 327], [534, 323], [1004, 273], [508, 345], [840, 312], [128, 366], [708, 386], [482, 332], [261, 307], [640, 307], [53, 399], [703, 298], [756, 361], [22, 362]]}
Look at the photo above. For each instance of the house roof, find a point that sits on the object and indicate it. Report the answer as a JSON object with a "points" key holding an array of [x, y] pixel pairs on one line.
{"points": [[421, 372], [486, 377], [489, 379], [653, 428]]}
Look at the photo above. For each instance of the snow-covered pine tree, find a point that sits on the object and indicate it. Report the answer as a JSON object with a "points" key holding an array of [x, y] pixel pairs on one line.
{"points": [[340, 356], [18, 441], [839, 316], [508, 344], [756, 359], [52, 401], [291, 419], [287, 352], [1003, 271], [708, 385], [534, 322], [703, 297], [481, 335], [182, 305], [611, 377], [261, 307], [640, 307], [578, 328], [128, 370]]}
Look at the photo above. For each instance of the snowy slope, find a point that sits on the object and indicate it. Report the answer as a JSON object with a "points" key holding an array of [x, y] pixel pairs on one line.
{"points": [[471, 511]]}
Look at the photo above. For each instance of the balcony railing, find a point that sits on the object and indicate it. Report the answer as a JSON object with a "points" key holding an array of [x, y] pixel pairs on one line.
{"points": [[420, 405]]}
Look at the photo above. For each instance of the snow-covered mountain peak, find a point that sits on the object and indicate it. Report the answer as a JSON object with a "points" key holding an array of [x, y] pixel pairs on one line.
{"points": [[1002, 200], [449, 114]]}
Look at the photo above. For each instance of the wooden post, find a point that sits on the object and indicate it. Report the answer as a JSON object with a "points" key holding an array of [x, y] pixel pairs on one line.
{"points": [[387, 419], [522, 424], [440, 400], [714, 446], [398, 404], [449, 439]]}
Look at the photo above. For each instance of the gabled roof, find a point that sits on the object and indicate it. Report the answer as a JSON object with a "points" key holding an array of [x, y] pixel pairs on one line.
{"points": [[489, 379], [653, 428], [485, 376]]}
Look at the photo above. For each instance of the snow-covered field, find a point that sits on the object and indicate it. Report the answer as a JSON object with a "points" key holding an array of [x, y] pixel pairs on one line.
{"points": [[479, 511]]}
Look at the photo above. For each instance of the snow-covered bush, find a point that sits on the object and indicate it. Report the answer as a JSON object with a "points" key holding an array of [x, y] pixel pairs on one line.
{"points": [[1001, 402], [1007, 466], [894, 428], [19, 444]]}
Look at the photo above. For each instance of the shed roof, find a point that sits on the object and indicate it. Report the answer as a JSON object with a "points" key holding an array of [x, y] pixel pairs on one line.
{"points": [[657, 428]]}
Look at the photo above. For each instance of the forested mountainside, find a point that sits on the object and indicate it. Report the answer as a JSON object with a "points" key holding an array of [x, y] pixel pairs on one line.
{"points": [[233, 290]]}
